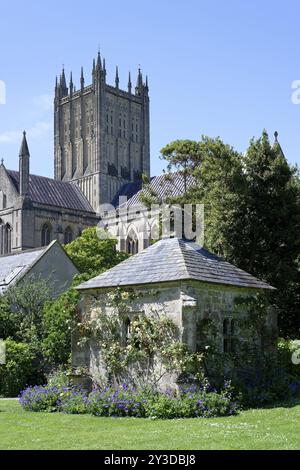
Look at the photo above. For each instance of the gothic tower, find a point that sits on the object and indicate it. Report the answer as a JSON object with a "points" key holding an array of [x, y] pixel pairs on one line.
{"points": [[101, 134]]}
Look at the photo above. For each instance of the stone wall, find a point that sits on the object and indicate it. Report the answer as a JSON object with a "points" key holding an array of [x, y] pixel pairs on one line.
{"points": [[55, 267], [199, 310]]}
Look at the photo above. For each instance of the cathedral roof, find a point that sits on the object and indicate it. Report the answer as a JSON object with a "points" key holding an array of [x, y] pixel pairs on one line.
{"points": [[164, 186], [53, 192], [174, 259]]}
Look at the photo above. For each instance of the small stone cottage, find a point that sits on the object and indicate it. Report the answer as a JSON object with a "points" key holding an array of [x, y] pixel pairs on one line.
{"points": [[210, 300], [50, 263]]}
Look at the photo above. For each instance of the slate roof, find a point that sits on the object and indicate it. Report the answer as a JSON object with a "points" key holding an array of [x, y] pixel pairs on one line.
{"points": [[166, 185], [52, 192], [174, 259], [14, 266], [128, 190]]}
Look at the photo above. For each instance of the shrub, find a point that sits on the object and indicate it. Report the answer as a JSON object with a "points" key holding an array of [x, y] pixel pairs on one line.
{"points": [[59, 377], [129, 402], [286, 349], [122, 402], [264, 388], [191, 404], [279, 381], [73, 401], [19, 369], [40, 398], [58, 315]]}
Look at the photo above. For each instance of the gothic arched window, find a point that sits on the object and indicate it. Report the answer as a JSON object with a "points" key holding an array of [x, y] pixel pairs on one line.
{"points": [[68, 235], [5, 238], [132, 243], [46, 234]]}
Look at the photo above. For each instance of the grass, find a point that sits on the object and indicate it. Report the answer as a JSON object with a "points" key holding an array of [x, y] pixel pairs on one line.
{"points": [[276, 428]]}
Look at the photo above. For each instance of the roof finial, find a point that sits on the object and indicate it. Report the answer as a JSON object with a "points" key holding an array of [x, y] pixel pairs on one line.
{"points": [[2, 161], [276, 136]]}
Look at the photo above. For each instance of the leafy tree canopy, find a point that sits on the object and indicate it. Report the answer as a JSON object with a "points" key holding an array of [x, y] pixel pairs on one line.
{"points": [[93, 254], [252, 211]]}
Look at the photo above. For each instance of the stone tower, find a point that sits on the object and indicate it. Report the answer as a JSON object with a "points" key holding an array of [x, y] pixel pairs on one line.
{"points": [[101, 134]]}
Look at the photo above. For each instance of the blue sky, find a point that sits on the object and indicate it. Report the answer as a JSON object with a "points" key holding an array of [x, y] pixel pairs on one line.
{"points": [[217, 68]]}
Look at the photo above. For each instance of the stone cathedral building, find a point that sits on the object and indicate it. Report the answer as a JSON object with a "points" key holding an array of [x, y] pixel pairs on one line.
{"points": [[101, 148]]}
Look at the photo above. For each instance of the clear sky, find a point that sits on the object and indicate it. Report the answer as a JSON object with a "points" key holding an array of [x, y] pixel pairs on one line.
{"points": [[215, 67]]}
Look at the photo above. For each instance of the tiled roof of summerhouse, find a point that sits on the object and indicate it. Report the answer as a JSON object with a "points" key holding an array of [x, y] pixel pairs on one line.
{"points": [[174, 259]]}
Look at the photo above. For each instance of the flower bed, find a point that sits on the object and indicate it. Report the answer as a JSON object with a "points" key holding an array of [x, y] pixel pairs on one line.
{"points": [[130, 402]]}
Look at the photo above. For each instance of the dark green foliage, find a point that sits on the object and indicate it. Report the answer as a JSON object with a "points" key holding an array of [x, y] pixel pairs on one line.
{"points": [[252, 212], [21, 307], [58, 318], [8, 319], [43, 325], [19, 369], [21, 320]]}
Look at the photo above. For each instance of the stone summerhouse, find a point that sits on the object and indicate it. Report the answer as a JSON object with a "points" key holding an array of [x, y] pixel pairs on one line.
{"points": [[206, 297]]}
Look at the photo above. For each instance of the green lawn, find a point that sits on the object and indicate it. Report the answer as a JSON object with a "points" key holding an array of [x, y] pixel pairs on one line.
{"points": [[277, 428]]}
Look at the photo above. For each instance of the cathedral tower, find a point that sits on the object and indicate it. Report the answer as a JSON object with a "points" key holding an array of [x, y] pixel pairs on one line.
{"points": [[101, 134]]}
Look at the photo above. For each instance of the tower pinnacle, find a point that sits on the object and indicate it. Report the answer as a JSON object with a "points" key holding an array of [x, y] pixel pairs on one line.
{"points": [[117, 81]]}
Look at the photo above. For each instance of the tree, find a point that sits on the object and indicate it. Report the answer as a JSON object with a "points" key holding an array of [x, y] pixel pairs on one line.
{"points": [[218, 180], [252, 212], [183, 156], [22, 306], [8, 319], [271, 227], [93, 255], [271, 210], [58, 322]]}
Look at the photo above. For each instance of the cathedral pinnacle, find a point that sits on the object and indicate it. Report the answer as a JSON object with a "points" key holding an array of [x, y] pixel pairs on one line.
{"points": [[129, 83], [99, 67], [117, 81]]}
